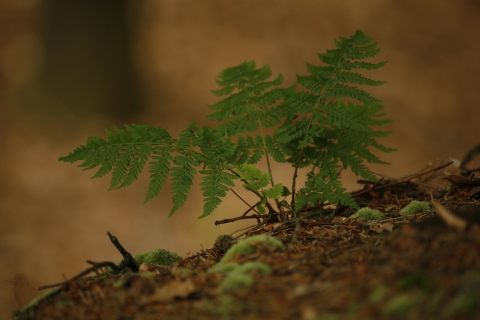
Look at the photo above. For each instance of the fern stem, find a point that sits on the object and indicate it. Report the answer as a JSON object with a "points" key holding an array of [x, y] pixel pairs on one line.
{"points": [[269, 168], [267, 157], [244, 201], [262, 133], [295, 175]]}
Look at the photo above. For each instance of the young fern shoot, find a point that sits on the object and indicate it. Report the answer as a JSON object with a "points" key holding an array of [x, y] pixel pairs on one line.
{"points": [[310, 125]]}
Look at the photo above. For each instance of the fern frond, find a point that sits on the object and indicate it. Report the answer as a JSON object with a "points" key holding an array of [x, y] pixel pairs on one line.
{"points": [[350, 65], [343, 91], [274, 192], [353, 77], [318, 189], [122, 166], [256, 179], [182, 179], [250, 99], [214, 146], [124, 153], [183, 172], [328, 130], [314, 128], [215, 185], [275, 149], [159, 170]]}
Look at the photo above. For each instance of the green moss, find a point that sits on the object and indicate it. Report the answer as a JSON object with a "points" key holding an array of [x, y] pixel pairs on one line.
{"points": [[158, 256], [224, 267], [248, 245], [238, 276], [402, 304], [119, 283], [464, 303], [367, 214], [378, 294], [415, 207]]}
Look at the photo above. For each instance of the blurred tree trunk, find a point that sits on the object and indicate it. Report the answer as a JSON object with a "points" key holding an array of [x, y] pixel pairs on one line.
{"points": [[88, 66]]}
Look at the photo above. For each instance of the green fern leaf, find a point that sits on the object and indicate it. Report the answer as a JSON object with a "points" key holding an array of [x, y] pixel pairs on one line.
{"points": [[250, 104], [318, 189], [274, 192], [256, 179], [110, 154], [215, 185], [159, 170], [183, 172], [122, 166]]}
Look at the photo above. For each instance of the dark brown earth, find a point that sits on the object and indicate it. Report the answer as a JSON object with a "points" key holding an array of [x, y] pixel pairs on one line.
{"points": [[410, 267]]}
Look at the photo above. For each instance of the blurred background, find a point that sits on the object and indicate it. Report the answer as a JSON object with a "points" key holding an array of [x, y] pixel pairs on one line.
{"points": [[68, 69]]}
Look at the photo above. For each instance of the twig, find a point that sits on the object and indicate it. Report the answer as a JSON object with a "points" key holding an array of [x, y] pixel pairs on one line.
{"points": [[244, 201], [269, 215], [128, 260], [243, 217], [402, 181], [59, 284], [293, 187], [79, 277]]}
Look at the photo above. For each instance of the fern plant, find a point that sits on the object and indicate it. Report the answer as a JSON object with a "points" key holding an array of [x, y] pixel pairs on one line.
{"points": [[324, 123]]}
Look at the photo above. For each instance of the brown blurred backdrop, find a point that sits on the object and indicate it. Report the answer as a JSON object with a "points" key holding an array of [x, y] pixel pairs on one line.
{"points": [[70, 69]]}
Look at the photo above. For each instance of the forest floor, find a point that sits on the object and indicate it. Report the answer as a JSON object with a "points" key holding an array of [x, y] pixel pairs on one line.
{"points": [[424, 265]]}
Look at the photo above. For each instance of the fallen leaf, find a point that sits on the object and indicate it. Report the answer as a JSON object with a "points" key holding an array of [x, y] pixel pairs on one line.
{"points": [[434, 179], [380, 227], [474, 192], [339, 220], [449, 218], [462, 182]]}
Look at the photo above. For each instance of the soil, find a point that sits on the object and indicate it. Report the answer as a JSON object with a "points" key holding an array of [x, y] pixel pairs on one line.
{"points": [[400, 267]]}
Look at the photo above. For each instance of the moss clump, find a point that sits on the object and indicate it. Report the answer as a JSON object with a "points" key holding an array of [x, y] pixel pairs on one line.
{"points": [[158, 256], [367, 214], [238, 275], [154, 257], [248, 245], [415, 207]]}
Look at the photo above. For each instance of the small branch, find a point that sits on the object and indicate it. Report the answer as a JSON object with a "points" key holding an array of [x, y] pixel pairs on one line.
{"points": [[269, 215], [59, 284], [255, 216], [401, 181], [251, 207], [295, 175], [79, 277], [117, 244], [129, 261]]}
